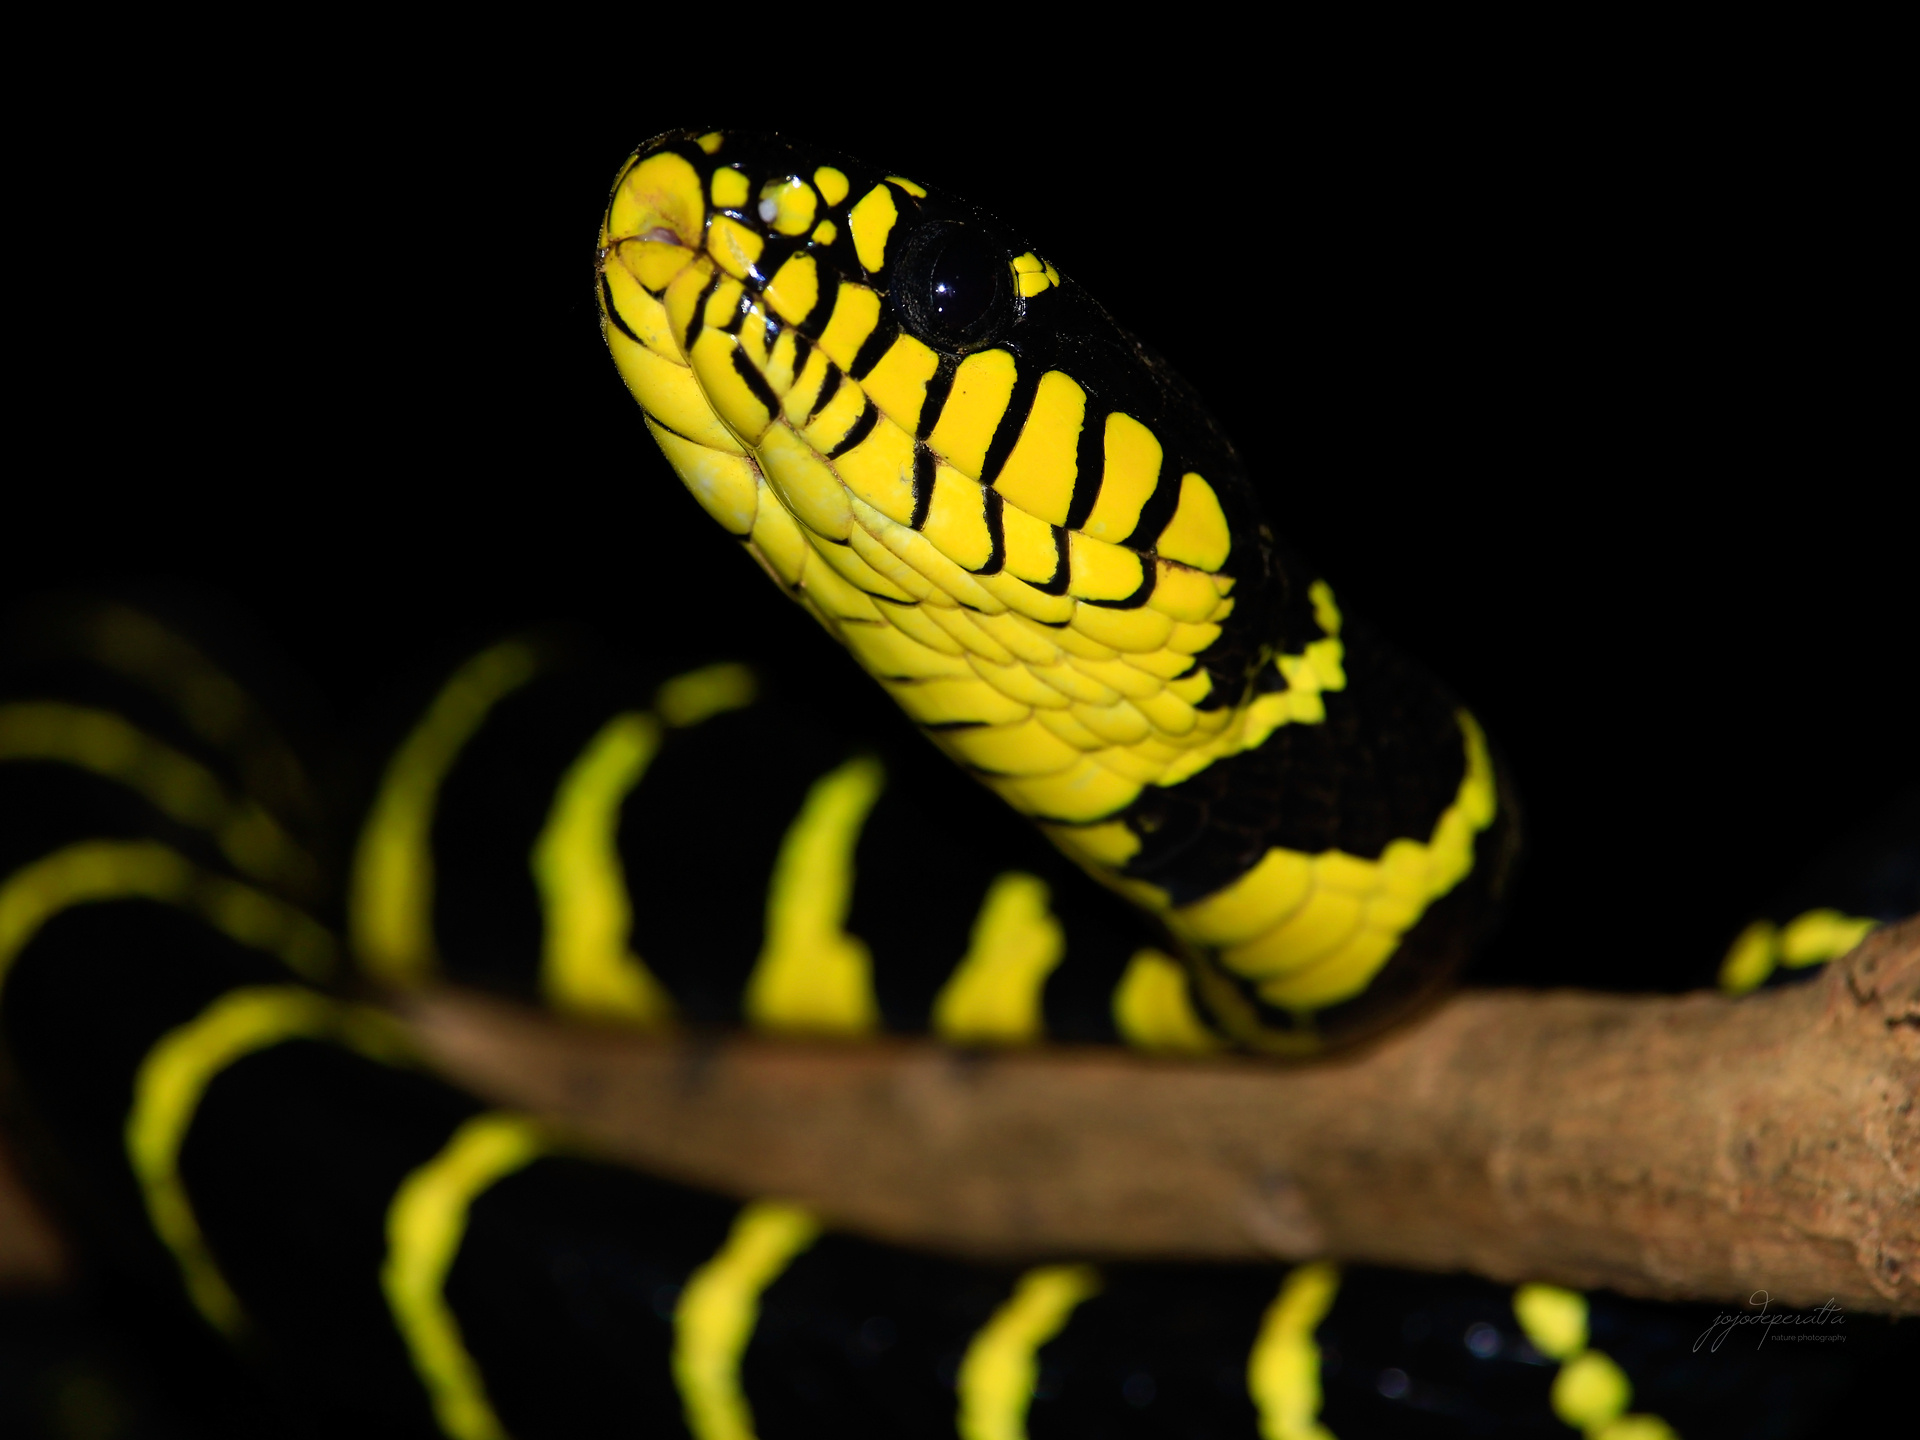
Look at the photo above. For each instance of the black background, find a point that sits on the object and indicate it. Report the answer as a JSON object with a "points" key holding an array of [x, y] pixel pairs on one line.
{"points": [[1573, 360], [1583, 390]]}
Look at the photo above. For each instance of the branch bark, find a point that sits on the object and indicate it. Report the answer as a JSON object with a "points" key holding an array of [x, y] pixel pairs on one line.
{"points": [[1683, 1148], [32, 1256], [1687, 1147]]}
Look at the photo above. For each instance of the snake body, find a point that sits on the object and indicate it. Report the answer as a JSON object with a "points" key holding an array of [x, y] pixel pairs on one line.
{"points": [[397, 1256], [1026, 527]]}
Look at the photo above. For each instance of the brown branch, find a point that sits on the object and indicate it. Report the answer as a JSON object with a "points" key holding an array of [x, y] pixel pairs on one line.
{"points": [[1686, 1148], [1682, 1147], [32, 1256]]}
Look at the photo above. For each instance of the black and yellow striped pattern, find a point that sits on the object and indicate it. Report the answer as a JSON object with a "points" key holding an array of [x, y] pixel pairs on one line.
{"points": [[693, 851], [399, 1257], [1033, 535]]}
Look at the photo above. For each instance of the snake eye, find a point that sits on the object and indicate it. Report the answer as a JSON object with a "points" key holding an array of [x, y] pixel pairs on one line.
{"points": [[957, 287]]}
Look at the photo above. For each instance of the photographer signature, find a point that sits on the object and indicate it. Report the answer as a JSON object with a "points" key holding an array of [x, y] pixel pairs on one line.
{"points": [[1724, 1324]]}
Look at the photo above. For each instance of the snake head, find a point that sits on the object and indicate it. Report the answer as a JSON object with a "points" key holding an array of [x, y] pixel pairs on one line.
{"points": [[952, 454], [896, 361]]}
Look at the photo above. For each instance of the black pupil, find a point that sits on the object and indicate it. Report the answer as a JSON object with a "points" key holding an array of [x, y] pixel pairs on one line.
{"points": [[963, 281]]}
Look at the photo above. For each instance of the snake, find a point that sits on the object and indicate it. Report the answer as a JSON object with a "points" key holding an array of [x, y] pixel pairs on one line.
{"points": [[1026, 526], [1194, 808]]}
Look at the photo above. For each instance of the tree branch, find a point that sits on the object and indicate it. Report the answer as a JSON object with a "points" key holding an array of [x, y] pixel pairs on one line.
{"points": [[1679, 1147], [1688, 1147], [32, 1256]]}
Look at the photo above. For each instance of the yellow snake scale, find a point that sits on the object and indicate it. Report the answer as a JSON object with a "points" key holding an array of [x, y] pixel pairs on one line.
{"points": [[1029, 531]]}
